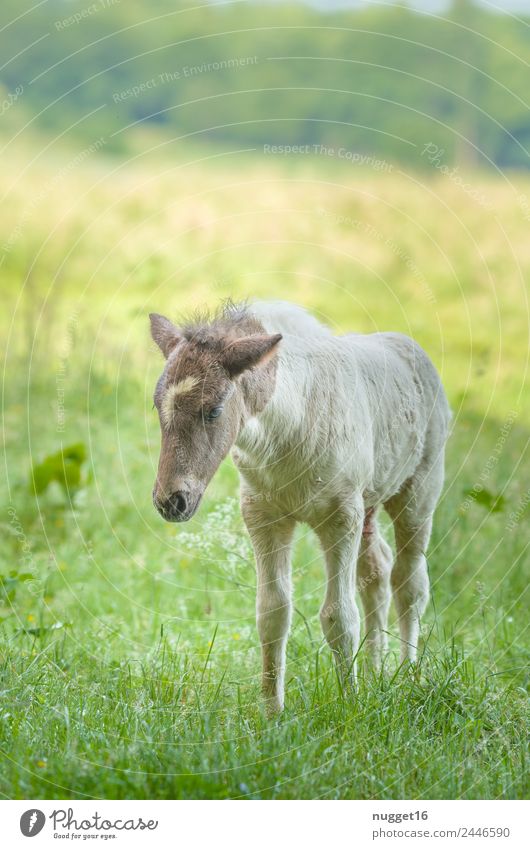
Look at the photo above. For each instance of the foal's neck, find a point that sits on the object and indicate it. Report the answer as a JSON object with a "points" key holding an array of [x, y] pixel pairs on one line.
{"points": [[257, 387]]}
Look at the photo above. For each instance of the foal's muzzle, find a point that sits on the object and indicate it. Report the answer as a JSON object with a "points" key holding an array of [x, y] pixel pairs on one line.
{"points": [[178, 507]]}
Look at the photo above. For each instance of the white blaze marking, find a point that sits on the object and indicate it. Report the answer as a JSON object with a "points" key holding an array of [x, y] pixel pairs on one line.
{"points": [[180, 388]]}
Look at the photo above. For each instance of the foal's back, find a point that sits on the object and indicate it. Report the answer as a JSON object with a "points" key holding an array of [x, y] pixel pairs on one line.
{"points": [[406, 403], [367, 407]]}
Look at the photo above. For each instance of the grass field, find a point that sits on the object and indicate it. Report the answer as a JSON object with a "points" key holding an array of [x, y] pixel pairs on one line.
{"points": [[128, 653]]}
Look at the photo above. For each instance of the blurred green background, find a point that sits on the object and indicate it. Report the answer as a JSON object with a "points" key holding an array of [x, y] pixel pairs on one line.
{"points": [[379, 77], [368, 162]]}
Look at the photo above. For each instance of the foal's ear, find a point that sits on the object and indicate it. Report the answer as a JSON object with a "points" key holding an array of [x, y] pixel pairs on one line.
{"points": [[164, 333], [249, 351]]}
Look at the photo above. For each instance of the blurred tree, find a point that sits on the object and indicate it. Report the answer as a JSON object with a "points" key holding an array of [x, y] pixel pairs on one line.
{"points": [[380, 80]]}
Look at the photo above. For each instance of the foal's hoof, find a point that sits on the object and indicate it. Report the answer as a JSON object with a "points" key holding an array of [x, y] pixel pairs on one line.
{"points": [[273, 706], [378, 667], [410, 667]]}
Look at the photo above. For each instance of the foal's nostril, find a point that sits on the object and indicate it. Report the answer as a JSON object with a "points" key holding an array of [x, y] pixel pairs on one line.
{"points": [[178, 502]]}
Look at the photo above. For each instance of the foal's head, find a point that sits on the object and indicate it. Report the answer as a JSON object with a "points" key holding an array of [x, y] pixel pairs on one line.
{"points": [[217, 374]]}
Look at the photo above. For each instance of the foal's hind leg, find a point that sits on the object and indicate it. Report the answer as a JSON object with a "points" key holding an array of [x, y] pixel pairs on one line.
{"points": [[411, 511], [340, 538], [373, 582]]}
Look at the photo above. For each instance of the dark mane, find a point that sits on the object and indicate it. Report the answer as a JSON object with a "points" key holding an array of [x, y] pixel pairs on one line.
{"points": [[229, 319]]}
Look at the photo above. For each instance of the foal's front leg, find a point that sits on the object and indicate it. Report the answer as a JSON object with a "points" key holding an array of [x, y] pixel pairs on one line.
{"points": [[271, 540], [340, 538]]}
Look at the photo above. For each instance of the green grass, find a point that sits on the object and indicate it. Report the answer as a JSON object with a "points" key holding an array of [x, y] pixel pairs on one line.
{"points": [[129, 660], [166, 728], [148, 684]]}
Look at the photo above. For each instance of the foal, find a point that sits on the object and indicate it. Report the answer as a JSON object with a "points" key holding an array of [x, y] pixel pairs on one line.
{"points": [[323, 430]]}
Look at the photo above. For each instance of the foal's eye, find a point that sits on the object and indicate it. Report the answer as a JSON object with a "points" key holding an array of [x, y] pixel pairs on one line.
{"points": [[214, 413]]}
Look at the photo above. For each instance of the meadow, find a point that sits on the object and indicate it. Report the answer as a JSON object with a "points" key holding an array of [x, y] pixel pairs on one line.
{"points": [[129, 660]]}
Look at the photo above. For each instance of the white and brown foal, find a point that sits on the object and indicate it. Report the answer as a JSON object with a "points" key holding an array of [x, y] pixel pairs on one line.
{"points": [[324, 429]]}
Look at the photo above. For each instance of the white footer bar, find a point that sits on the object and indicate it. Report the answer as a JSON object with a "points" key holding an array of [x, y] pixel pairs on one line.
{"points": [[265, 824]]}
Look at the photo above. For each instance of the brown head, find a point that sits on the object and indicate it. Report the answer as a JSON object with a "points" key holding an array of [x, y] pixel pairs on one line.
{"points": [[217, 374]]}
